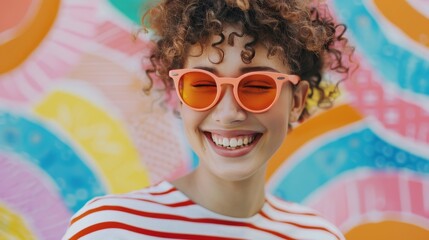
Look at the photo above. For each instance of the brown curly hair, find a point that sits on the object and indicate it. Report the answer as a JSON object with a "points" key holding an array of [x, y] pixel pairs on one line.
{"points": [[303, 34]]}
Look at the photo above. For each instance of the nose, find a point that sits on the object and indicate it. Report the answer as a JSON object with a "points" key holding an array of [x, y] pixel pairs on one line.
{"points": [[227, 110]]}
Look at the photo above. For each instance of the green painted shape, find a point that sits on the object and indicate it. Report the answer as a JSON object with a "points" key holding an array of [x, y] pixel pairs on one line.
{"points": [[132, 9]]}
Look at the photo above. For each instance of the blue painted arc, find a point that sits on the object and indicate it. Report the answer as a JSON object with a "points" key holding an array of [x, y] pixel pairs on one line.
{"points": [[360, 149], [395, 63], [45, 150]]}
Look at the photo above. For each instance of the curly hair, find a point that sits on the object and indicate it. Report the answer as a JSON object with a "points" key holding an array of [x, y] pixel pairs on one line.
{"points": [[303, 34]]}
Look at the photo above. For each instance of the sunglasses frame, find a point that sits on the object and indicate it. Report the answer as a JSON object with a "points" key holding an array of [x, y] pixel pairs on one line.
{"points": [[279, 79]]}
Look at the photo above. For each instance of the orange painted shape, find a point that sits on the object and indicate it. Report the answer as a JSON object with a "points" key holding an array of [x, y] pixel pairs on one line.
{"points": [[14, 14], [388, 230], [327, 121], [405, 17], [17, 48]]}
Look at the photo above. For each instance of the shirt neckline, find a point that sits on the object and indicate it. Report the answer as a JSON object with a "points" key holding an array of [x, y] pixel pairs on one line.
{"points": [[210, 213]]}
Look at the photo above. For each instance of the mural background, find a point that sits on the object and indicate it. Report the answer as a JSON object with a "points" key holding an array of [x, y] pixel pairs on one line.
{"points": [[74, 122]]}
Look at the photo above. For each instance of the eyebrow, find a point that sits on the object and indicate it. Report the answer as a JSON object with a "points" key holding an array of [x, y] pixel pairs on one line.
{"points": [[242, 70], [209, 69], [258, 68]]}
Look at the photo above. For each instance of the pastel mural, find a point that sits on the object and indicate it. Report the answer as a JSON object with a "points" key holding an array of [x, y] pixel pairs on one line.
{"points": [[365, 163], [75, 123]]}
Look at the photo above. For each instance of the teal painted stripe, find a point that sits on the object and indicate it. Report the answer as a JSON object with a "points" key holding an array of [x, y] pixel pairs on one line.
{"points": [[132, 9]]}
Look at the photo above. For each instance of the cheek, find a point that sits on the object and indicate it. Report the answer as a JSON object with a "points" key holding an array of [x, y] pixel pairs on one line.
{"points": [[278, 119], [191, 120], [278, 124]]}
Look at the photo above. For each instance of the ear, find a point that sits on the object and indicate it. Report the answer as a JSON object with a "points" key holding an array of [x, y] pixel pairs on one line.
{"points": [[177, 110], [299, 97]]}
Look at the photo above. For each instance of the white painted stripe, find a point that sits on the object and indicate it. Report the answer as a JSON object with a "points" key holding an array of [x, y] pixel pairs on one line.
{"points": [[404, 192]]}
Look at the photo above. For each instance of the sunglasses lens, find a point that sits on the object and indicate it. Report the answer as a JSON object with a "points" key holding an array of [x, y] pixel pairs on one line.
{"points": [[257, 92], [198, 90]]}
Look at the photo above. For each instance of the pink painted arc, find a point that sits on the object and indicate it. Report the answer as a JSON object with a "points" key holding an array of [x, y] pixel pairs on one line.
{"points": [[408, 119], [10, 91], [32, 82], [115, 37], [33, 194], [357, 195]]}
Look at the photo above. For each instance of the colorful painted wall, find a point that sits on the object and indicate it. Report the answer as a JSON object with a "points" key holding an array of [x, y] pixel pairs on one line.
{"points": [[74, 122]]}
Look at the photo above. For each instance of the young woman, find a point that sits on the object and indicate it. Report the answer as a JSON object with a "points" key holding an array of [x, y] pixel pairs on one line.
{"points": [[242, 70]]}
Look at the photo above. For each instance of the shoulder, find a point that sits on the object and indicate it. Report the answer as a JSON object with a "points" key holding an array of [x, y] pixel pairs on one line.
{"points": [[124, 211], [302, 221]]}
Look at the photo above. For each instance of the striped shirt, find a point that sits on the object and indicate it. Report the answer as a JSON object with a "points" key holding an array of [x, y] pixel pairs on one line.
{"points": [[163, 212]]}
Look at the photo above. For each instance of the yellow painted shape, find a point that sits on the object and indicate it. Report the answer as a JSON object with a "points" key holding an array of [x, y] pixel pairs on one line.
{"points": [[12, 226], [17, 49], [329, 120], [388, 230], [102, 137], [405, 17], [329, 90]]}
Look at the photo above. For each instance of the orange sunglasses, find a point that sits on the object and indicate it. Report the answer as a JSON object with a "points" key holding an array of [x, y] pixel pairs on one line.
{"points": [[255, 92]]}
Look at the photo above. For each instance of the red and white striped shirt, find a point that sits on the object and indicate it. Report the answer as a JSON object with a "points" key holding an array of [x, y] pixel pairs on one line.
{"points": [[163, 212]]}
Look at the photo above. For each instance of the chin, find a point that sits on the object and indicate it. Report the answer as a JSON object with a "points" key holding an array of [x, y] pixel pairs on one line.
{"points": [[237, 173]]}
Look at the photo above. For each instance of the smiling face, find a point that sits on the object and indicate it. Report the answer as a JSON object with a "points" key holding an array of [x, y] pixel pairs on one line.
{"points": [[232, 143]]}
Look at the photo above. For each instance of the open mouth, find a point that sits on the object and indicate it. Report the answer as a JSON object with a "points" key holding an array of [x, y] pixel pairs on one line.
{"points": [[232, 143]]}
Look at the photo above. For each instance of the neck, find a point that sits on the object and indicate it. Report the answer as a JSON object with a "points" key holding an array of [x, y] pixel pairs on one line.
{"points": [[238, 198]]}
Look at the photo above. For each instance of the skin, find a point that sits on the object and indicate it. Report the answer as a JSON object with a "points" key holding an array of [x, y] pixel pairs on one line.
{"points": [[234, 186]]}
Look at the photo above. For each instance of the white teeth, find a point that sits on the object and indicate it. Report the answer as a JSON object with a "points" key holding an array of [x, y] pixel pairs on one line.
{"points": [[225, 142], [232, 142]]}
